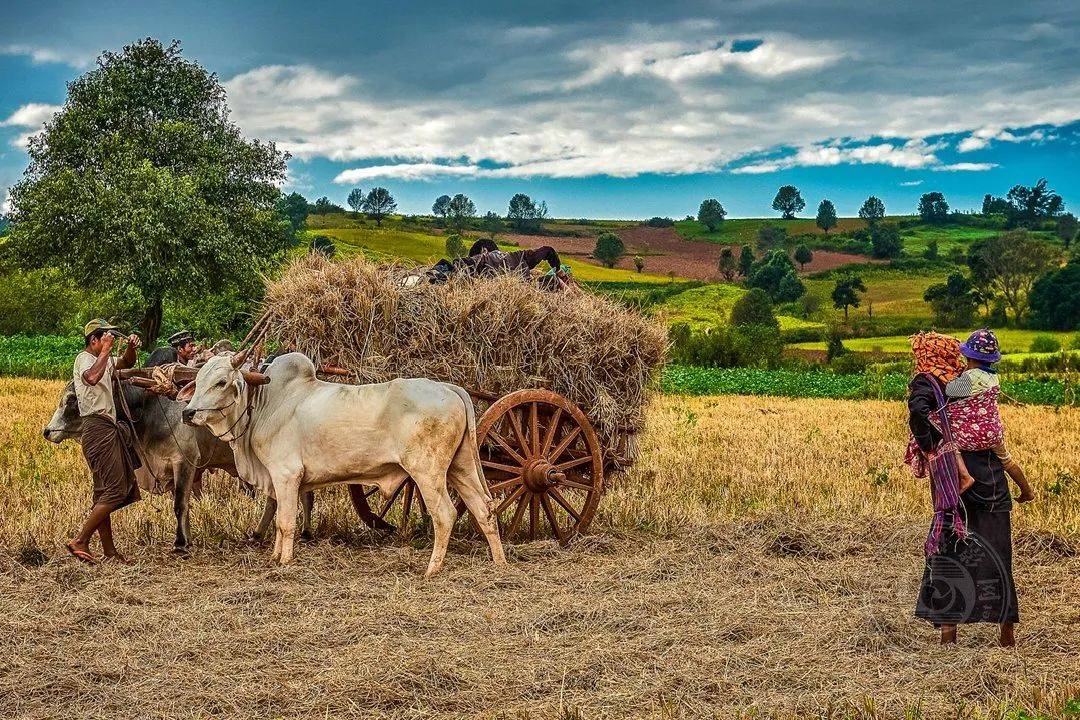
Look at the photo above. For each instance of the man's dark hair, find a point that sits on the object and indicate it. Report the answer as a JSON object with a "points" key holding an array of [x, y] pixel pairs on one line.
{"points": [[96, 335], [481, 245]]}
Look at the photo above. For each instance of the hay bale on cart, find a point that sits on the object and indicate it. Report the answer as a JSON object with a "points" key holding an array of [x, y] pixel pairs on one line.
{"points": [[561, 378]]}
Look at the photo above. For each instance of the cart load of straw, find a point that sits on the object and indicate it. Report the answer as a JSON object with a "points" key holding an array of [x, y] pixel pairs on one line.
{"points": [[497, 335]]}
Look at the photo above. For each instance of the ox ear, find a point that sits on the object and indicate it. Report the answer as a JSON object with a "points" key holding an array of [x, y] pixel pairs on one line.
{"points": [[254, 378], [239, 358]]}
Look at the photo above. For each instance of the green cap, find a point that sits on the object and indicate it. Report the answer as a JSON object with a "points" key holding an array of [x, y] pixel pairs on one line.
{"points": [[97, 324]]}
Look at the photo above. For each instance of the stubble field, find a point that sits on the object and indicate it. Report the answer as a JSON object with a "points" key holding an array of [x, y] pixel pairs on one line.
{"points": [[762, 559]]}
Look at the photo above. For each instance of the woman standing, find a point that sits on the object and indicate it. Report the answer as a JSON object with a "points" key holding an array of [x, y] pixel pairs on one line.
{"points": [[968, 575]]}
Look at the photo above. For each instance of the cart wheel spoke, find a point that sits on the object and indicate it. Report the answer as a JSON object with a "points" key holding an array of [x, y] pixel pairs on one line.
{"points": [[550, 512], [554, 492], [504, 484], [506, 446], [518, 514], [553, 427], [534, 516], [511, 499], [515, 425], [575, 484], [492, 465], [407, 505], [534, 429], [393, 497], [565, 443]]}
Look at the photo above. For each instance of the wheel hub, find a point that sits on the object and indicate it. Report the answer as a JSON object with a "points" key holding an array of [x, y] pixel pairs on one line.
{"points": [[540, 474]]}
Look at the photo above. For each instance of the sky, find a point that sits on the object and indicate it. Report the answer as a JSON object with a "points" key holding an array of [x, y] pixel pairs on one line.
{"points": [[606, 110]]}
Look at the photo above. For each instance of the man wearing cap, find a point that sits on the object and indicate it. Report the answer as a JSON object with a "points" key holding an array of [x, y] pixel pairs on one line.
{"points": [[184, 345], [106, 445]]}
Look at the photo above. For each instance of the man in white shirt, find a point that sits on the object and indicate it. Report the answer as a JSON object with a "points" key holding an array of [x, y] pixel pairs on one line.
{"points": [[105, 443]]}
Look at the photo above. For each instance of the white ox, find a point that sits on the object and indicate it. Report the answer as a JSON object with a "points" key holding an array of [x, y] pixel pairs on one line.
{"points": [[297, 433]]}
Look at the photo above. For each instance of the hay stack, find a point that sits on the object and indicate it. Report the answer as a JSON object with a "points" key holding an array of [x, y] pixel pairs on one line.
{"points": [[498, 335]]}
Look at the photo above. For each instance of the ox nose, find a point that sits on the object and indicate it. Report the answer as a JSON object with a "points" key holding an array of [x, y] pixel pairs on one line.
{"points": [[45, 433], [188, 415]]}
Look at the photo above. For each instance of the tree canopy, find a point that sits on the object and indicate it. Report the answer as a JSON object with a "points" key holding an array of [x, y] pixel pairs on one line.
{"points": [[826, 216], [1011, 263], [727, 265], [788, 202], [1055, 299], [933, 208], [141, 186], [754, 308], [711, 213], [609, 249], [294, 207], [847, 291], [775, 274], [524, 214], [441, 206], [953, 301], [1029, 205], [378, 204], [803, 255], [872, 210], [356, 199], [459, 211], [885, 240]]}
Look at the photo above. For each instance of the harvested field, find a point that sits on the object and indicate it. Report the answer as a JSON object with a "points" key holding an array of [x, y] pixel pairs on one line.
{"points": [[666, 251], [762, 559]]}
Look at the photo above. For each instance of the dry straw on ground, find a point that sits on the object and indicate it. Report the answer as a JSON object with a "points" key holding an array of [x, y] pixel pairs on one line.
{"points": [[497, 335], [761, 560]]}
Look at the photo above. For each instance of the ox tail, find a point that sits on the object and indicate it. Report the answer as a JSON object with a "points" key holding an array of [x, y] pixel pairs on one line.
{"points": [[469, 444]]}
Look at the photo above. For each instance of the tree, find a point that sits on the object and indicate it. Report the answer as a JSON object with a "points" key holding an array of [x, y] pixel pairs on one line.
{"points": [[771, 237], [141, 185], [746, 261], [775, 274], [933, 208], [803, 255], [754, 308], [1030, 205], [323, 206], [788, 202], [872, 210], [323, 245], [846, 293], [460, 211], [953, 301], [609, 249], [1066, 228], [995, 206], [826, 216], [294, 208], [639, 263], [492, 224], [455, 247], [378, 204], [931, 251], [885, 240], [981, 279], [524, 214], [727, 265], [1012, 262], [441, 206], [711, 213], [1055, 299], [356, 199]]}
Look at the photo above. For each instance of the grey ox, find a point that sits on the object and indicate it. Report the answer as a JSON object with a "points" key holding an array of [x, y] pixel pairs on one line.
{"points": [[291, 432]]}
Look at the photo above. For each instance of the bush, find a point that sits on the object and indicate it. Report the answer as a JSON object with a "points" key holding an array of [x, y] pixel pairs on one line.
{"points": [[885, 240], [723, 347], [757, 345], [953, 302], [775, 274], [848, 363], [754, 308], [660, 222], [834, 344], [455, 246], [609, 249], [40, 302], [323, 244], [771, 237], [1045, 344], [1055, 299]]}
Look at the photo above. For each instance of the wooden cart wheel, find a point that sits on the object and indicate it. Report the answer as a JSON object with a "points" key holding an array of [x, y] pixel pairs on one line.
{"points": [[412, 504], [543, 464]]}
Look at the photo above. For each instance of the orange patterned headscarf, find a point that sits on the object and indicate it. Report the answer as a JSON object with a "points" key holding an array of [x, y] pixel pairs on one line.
{"points": [[938, 355]]}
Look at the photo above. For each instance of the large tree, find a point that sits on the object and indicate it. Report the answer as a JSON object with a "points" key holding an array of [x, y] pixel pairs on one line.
{"points": [[727, 264], [826, 216], [441, 206], [711, 213], [933, 208], [492, 224], [1012, 262], [141, 186], [1066, 228], [378, 204], [609, 249], [294, 208], [846, 293], [1055, 299], [788, 202], [872, 210], [460, 211], [953, 301], [524, 214], [1029, 205]]}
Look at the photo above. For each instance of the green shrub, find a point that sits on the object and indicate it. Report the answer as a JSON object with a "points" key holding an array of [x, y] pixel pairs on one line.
{"points": [[1045, 344], [754, 308], [455, 246]]}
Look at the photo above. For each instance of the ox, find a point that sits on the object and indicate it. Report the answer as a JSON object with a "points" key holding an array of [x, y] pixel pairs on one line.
{"points": [[299, 433]]}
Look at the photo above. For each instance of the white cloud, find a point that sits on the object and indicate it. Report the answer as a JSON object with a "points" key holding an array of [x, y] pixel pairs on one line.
{"points": [[405, 171], [5, 207], [913, 154], [911, 183], [965, 167], [41, 55], [31, 115], [982, 137]]}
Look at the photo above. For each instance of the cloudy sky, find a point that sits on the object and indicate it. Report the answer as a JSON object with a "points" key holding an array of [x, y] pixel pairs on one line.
{"points": [[607, 109]]}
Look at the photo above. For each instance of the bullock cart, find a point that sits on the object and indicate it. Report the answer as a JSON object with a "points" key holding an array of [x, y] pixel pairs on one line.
{"points": [[543, 461]]}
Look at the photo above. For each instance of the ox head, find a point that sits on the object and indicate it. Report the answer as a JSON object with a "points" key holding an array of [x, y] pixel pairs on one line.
{"points": [[219, 389], [66, 424]]}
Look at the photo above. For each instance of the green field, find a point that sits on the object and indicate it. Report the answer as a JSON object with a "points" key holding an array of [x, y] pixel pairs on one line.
{"points": [[1012, 341], [743, 231], [890, 294], [710, 305]]}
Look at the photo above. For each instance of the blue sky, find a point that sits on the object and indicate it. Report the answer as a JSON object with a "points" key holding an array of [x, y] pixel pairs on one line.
{"points": [[617, 110]]}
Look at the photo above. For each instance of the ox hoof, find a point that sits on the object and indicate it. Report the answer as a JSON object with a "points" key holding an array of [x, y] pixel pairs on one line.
{"points": [[181, 551]]}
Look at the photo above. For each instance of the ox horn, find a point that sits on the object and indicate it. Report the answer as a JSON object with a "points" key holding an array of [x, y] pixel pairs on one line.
{"points": [[239, 358], [255, 378]]}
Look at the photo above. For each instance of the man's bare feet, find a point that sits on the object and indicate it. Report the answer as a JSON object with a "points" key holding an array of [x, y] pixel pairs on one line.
{"points": [[1008, 636], [948, 634]]}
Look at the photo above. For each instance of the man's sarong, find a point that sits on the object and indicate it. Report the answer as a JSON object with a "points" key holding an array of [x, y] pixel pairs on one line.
{"points": [[109, 454]]}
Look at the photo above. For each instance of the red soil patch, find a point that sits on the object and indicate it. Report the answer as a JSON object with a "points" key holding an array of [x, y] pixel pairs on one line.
{"points": [[665, 251]]}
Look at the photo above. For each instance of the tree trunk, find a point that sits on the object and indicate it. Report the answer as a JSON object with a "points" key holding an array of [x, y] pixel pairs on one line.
{"points": [[150, 325]]}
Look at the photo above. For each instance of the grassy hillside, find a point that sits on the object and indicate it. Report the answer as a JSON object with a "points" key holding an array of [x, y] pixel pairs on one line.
{"points": [[1012, 341]]}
